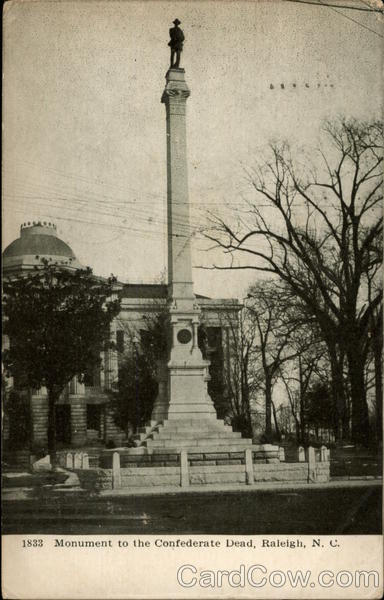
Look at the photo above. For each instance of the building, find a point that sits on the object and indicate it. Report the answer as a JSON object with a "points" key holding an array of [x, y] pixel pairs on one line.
{"points": [[83, 416]]}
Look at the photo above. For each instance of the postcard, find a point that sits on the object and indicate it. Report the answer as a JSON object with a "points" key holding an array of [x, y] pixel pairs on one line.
{"points": [[192, 299]]}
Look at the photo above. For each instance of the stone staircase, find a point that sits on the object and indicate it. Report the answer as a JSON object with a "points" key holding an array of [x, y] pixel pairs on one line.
{"points": [[191, 434]]}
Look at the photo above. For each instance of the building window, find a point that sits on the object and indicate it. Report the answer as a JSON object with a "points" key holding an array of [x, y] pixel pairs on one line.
{"points": [[92, 377], [93, 416]]}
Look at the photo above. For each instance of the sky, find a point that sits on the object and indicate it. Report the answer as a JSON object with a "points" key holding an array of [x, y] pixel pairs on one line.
{"points": [[84, 128]]}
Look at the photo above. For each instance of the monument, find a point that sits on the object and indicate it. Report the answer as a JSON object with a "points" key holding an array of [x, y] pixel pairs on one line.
{"points": [[183, 401], [185, 443]]}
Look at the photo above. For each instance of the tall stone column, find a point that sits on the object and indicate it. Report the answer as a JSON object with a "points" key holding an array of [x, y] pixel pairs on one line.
{"points": [[179, 246], [187, 396]]}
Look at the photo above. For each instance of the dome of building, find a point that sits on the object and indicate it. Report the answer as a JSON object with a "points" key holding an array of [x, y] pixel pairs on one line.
{"points": [[38, 239]]}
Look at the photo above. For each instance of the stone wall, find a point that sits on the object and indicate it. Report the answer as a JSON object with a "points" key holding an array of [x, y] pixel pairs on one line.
{"points": [[144, 477], [207, 474], [281, 472], [185, 468]]}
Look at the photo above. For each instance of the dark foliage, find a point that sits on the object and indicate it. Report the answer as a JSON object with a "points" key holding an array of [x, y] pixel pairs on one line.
{"points": [[57, 321]]}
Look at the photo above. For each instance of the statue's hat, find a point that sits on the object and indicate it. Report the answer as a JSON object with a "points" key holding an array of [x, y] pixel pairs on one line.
{"points": [[176, 22]]}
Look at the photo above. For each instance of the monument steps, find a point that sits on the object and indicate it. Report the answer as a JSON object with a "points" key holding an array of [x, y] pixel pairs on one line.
{"points": [[207, 423], [169, 433], [199, 422], [186, 435], [210, 427], [201, 430], [199, 443], [192, 435], [178, 411], [189, 416]]}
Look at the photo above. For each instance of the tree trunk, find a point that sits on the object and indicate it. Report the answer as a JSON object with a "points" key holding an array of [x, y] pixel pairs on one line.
{"points": [[249, 419], [338, 395], [298, 433], [360, 420], [277, 428], [53, 396], [378, 361], [245, 406], [303, 437], [379, 396], [268, 410]]}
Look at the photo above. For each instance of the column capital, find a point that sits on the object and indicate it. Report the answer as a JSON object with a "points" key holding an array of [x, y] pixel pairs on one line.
{"points": [[176, 89], [174, 94]]}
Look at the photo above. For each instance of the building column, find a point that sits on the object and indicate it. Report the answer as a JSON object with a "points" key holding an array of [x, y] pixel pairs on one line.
{"points": [[78, 422], [102, 371], [39, 416], [76, 388], [113, 433], [78, 405], [102, 422], [111, 371]]}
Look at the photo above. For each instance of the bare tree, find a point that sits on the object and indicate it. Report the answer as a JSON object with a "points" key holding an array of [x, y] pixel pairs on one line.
{"points": [[241, 378], [375, 364], [309, 367], [321, 236], [268, 311]]}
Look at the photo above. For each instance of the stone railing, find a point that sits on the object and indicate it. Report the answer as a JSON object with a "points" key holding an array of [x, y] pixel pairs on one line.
{"points": [[264, 463]]}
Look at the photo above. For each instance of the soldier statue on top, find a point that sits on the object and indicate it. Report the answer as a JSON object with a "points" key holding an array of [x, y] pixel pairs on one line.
{"points": [[176, 44]]}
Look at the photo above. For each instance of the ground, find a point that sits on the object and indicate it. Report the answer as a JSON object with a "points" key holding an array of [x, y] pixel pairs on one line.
{"points": [[348, 461], [353, 509]]}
